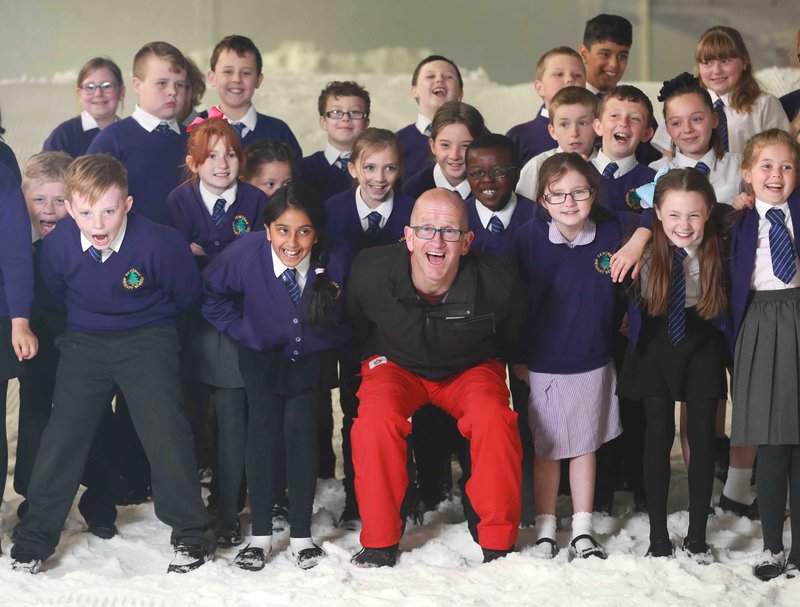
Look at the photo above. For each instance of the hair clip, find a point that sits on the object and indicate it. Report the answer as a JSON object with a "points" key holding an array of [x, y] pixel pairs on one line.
{"points": [[214, 113], [647, 192], [681, 81]]}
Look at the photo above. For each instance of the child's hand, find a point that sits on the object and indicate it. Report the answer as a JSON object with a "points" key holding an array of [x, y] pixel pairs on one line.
{"points": [[743, 201], [197, 249], [629, 257], [521, 373], [23, 340]]}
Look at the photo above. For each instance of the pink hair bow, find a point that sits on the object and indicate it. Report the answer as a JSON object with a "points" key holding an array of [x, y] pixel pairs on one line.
{"points": [[213, 113]]}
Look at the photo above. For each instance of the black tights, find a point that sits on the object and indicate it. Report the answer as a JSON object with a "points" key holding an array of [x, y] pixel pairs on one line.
{"points": [[659, 436], [779, 470]]}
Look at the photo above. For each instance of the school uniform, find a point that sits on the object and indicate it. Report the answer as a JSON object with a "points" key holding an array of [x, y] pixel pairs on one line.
{"points": [[618, 193], [320, 171], [724, 174], [16, 287], [152, 154], [433, 177], [9, 160], [414, 140], [286, 366], [766, 113], [532, 137], [260, 127], [790, 103], [529, 175], [120, 331], [73, 136]]}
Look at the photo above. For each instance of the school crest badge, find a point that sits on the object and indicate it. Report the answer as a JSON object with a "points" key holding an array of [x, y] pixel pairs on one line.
{"points": [[632, 200], [602, 263], [132, 279], [240, 225]]}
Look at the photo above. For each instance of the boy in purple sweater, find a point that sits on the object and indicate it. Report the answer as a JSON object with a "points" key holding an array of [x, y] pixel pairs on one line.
{"points": [[123, 280]]}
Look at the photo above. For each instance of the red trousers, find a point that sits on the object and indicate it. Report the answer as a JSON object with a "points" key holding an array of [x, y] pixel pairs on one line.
{"points": [[478, 399]]}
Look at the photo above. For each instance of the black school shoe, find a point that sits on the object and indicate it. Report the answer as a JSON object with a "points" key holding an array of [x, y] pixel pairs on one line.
{"points": [[103, 530], [595, 549], [229, 536], [698, 551], [738, 508], [660, 548], [770, 568], [309, 557], [376, 557], [251, 558], [188, 558], [27, 562], [490, 555]]}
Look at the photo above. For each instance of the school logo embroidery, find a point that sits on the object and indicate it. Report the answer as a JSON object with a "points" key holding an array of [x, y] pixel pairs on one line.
{"points": [[632, 200], [240, 225], [133, 279], [602, 263]]}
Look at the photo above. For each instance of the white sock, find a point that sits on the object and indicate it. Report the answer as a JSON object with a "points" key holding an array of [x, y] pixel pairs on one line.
{"points": [[545, 526], [300, 543], [582, 525], [737, 487], [262, 541]]}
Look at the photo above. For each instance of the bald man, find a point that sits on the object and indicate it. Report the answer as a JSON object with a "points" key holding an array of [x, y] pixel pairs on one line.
{"points": [[437, 319]]}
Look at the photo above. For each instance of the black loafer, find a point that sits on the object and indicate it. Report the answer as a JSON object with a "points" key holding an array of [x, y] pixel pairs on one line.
{"points": [[660, 548], [27, 562], [490, 555], [770, 568], [376, 557], [744, 510], [105, 531], [309, 557], [251, 558], [188, 558]]}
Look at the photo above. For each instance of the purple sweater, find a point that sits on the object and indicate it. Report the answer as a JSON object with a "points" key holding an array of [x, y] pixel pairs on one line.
{"points": [[70, 137], [416, 150], [326, 179], [499, 244], [620, 194], [150, 280], [532, 138], [153, 160], [16, 259], [187, 213]]}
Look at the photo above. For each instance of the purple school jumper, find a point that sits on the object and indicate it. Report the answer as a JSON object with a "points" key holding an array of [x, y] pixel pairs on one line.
{"points": [[416, 149], [70, 137], [344, 223], [326, 179], [498, 244], [16, 259], [620, 194], [532, 137]]}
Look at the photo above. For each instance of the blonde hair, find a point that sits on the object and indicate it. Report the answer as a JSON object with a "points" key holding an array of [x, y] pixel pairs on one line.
{"points": [[723, 42], [756, 144], [554, 52], [93, 175], [47, 167]]}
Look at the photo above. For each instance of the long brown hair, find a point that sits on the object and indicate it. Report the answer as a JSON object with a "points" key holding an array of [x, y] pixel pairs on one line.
{"points": [[721, 42], [712, 298]]}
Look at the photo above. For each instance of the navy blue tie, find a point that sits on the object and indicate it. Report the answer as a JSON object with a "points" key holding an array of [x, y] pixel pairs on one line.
{"points": [[496, 225], [218, 214], [341, 162], [240, 127], [676, 320], [290, 280], [164, 129], [374, 220], [95, 254], [781, 248], [610, 169], [722, 122], [703, 168], [428, 131]]}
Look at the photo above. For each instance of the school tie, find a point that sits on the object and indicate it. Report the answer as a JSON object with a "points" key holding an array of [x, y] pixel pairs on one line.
{"points": [[781, 248], [676, 320], [95, 254], [722, 122], [610, 169], [341, 162], [374, 220], [599, 94], [163, 129], [703, 168], [427, 132], [290, 280], [218, 213], [240, 127], [495, 225]]}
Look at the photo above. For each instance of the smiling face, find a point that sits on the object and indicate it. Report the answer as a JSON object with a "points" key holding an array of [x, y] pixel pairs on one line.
{"points": [[434, 263], [100, 222], [101, 105], [623, 125], [236, 79], [272, 176], [492, 192], [690, 123], [559, 71], [161, 92], [570, 215], [605, 63], [343, 132], [46, 204], [683, 216], [450, 149], [377, 172], [572, 127], [773, 175], [292, 236], [721, 75], [437, 83], [220, 169]]}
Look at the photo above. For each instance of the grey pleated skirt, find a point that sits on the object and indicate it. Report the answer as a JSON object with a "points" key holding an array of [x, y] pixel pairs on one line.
{"points": [[766, 371]]}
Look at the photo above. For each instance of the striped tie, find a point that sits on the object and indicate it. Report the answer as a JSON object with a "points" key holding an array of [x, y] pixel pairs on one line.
{"points": [[781, 248], [703, 168], [218, 214], [611, 168], [341, 162], [676, 323], [374, 220], [495, 225], [722, 122], [290, 280], [427, 132], [95, 254], [163, 129], [240, 127]]}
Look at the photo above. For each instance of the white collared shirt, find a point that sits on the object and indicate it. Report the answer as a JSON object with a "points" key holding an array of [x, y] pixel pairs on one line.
{"points": [[423, 124], [691, 273], [764, 278], [585, 236], [302, 269], [111, 248], [88, 123], [210, 198], [725, 176], [384, 208], [462, 189], [149, 122], [590, 87], [332, 154], [504, 215], [625, 165]]}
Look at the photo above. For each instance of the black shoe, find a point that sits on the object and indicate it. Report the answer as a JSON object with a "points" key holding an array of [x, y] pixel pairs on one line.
{"points": [[27, 562], [280, 517], [698, 551], [309, 557], [376, 557], [251, 558], [490, 555], [594, 550], [188, 558], [545, 548], [660, 548], [770, 568], [103, 530], [791, 570], [739, 509], [229, 536]]}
